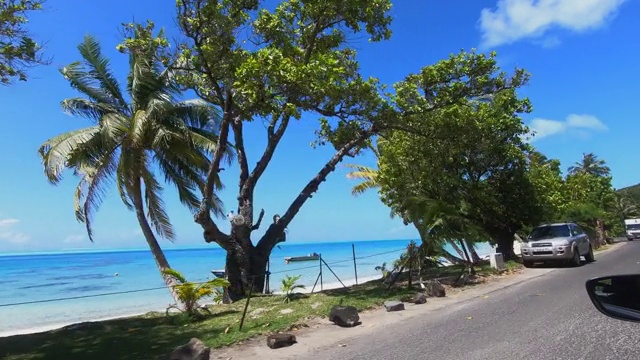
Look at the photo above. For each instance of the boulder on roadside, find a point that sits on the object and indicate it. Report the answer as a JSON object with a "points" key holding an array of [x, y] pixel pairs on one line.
{"points": [[276, 341], [393, 305], [420, 298], [434, 288], [193, 350], [344, 316]]}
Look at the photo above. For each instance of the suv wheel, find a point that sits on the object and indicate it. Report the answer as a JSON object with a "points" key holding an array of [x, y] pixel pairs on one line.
{"points": [[527, 264], [590, 258], [576, 258]]}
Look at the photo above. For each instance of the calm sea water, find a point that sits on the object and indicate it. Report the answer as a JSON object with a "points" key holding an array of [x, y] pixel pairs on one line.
{"points": [[38, 277]]}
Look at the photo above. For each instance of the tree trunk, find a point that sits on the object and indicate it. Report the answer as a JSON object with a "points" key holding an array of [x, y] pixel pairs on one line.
{"points": [[475, 259], [504, 239], [600, 235], [452, 259], [468, 259], [455, 247], [158, 255], [245, 273]]}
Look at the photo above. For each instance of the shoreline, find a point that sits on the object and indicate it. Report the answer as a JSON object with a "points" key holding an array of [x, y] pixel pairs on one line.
{"points": [[58, 326]]}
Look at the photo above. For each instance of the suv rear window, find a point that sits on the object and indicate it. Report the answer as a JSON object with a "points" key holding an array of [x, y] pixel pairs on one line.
{"points": [[549, 231]]}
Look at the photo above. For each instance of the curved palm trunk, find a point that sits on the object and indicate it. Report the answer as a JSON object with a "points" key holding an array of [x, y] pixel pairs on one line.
{"points": [[455, 247], [475, 258], [158, 255]]}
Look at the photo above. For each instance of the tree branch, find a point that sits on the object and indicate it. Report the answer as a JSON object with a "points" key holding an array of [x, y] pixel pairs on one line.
{"points": [[256, 226], [274, 137], [271, 238], [240, 151], [211, 231]]}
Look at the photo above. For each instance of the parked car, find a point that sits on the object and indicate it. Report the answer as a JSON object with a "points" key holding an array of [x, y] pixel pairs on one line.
{"points": [[560, 243]]}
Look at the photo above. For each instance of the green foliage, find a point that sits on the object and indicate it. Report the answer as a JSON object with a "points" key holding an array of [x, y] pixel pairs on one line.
{"points": [[590, 164], [632, 193], [289, 285], [18, 50], [383, 269], [190, 294], [465, 161], [128, 140]]}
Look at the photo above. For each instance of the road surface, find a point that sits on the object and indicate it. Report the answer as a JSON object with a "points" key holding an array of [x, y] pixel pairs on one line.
{"points": [[549, 317]]}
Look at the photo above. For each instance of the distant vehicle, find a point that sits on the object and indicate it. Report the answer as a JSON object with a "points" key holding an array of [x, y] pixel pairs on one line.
{"points": [[616, 296], [632, 228], [560, 243], [309, 257]]}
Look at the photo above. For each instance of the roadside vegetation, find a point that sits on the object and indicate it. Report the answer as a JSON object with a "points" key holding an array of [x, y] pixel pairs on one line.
{"points": [[155, 335], [451, 150]]}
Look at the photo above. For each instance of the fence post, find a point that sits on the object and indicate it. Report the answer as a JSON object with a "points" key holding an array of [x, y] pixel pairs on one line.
{"points": [[266, 278], [320, 272], [355, 266], [246, 305]]}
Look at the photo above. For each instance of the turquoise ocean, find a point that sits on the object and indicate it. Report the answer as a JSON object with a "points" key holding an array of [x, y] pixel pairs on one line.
{"points": [[31, 284]]}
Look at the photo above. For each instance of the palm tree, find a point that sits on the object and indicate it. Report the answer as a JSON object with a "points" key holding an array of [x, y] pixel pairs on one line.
{"points": [[366, 175], [590, 164], [624, 206], [131, 143]]}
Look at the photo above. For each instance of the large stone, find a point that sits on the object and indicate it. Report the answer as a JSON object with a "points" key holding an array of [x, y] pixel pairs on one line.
{"points": [[434, 288], [344, 316], [277, 341], [193, 350], [394, 305], [420, 298]]}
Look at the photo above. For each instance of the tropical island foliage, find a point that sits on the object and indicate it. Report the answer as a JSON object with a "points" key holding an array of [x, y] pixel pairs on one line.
{"points": [[453, 153]]}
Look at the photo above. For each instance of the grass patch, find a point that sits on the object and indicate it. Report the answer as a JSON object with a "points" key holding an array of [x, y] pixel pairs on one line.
{"points": [[603, 247], [154, 335]]}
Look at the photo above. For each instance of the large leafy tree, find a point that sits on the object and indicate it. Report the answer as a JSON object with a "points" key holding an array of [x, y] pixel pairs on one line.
{"points": [[472, 154], [18, 50], [437, 222], [132, 141], [591, 202], [546, 177], [272, 65]]}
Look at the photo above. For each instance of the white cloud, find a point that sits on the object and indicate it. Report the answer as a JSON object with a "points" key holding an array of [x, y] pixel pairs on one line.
{"points": [[131, 234], [397, 229], [514, 20], [574, 122], [75, 238], [8, 234]]}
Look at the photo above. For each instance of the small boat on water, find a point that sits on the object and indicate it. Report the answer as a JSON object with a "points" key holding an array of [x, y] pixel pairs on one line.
{"points": [[218, 273], [310, 257]]}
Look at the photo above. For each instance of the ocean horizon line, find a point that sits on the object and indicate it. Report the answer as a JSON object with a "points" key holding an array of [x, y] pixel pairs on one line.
{"points": [[181, 248]]}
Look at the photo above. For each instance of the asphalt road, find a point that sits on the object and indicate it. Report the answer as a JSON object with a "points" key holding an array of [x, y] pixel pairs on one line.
{"points": [[549, 317]]}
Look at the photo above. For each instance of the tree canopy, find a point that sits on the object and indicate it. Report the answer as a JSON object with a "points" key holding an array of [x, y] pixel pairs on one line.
{"points": [[471, 154], [18, 50]]}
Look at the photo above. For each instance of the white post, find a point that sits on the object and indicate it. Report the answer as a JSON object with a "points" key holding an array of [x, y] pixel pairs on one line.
{"points": [[496, 261]]}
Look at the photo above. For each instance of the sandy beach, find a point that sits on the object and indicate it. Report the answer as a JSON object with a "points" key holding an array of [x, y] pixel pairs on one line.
{"points": [[54, 326]]}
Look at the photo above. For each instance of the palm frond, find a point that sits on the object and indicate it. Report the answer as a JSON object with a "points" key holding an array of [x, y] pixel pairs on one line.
{"points": [[183, 177], [175, 274], [55, 152], [86, 108], [99, 70], [363, 187], [97, 181], [155, 205], [80, 79]]}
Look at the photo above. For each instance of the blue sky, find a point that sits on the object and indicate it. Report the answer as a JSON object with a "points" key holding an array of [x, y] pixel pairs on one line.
{"points": [[582, 55]]}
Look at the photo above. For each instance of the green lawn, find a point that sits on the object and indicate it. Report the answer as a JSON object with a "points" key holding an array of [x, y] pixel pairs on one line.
{"points": [[155, 335]]}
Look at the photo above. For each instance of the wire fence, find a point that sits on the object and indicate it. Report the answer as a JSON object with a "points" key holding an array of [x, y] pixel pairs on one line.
{"points": [[267, 274]]}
